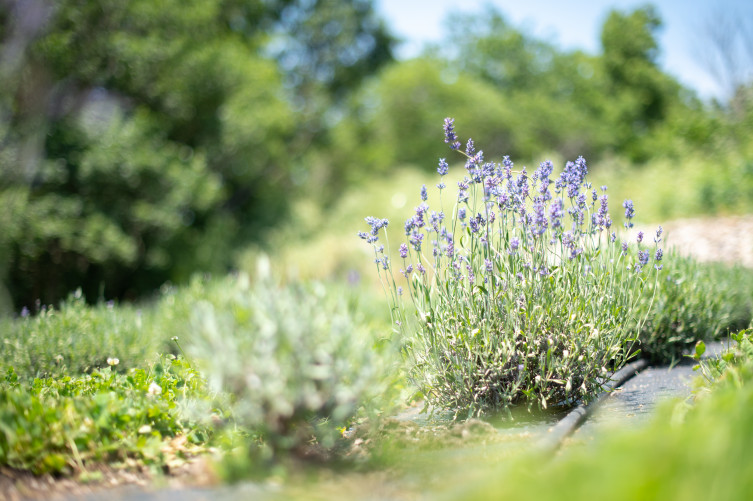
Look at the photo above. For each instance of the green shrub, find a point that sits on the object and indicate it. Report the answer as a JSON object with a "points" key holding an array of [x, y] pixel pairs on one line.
{"points": [[296, 362], [76, 338]]}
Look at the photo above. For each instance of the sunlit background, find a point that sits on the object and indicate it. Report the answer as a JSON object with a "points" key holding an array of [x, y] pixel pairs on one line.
{"points": [[145, 142]]}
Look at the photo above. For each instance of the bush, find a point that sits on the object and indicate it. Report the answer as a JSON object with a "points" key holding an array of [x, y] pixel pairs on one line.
{"points": [[693, 302], [521, 299], [294, 359], [75, 339]]}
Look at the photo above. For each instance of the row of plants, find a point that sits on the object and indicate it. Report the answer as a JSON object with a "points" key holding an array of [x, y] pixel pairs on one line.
{"points": [[272, 370], [265, 370], [695, 447], [525, 292]]}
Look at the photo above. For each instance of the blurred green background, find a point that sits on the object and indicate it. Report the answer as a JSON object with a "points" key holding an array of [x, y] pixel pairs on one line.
{"points": [[144, 141]]}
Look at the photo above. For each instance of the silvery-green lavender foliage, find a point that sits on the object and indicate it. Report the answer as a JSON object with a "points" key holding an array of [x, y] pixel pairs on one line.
{"points": [[296, 362], [514, 281]]}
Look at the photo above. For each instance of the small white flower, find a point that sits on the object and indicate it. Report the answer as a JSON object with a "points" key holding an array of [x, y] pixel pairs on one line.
{"points": [[112, 361], [154, 389]]}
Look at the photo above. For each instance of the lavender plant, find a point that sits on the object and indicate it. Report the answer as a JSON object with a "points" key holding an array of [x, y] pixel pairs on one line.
{"points": [[515, 285]]}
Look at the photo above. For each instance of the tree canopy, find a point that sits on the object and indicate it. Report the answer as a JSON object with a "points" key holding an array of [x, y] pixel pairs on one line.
{"points": [[144, 140]]}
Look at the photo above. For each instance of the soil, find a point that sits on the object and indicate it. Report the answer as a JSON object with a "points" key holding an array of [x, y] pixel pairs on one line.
{"points": [[16, 485]]}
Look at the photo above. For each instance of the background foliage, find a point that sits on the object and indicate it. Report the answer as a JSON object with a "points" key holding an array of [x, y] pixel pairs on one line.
{"points": [[145, 141]]}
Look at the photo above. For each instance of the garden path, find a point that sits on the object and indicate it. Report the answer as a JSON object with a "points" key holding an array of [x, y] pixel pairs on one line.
{"points": [[728, 239], [634, 401]]}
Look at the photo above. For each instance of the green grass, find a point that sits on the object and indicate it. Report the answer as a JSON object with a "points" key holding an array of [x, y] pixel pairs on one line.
{"points": [[70, 420], [266, 368]]}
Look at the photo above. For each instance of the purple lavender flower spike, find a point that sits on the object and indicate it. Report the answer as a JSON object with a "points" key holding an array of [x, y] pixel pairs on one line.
{"points": [[450, 251], [540, 222], [658, 257], [643, 257], [470, 148], [449, 134], [514, 244], [556, 211], [629, 213]]}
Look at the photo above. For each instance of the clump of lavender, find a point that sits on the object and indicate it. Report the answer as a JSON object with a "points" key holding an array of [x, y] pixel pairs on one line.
{"points": [[515, 283]]}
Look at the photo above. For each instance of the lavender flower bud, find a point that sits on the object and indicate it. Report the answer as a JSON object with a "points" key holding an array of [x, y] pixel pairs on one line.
{"points": [[514, 244]]}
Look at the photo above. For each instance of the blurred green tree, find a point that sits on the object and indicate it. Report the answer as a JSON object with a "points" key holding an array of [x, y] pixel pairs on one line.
{"points": [[641, 95], [146, 140]]}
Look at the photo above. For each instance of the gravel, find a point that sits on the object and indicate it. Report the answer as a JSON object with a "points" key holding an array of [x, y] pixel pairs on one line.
{"points": [[727, 239]]}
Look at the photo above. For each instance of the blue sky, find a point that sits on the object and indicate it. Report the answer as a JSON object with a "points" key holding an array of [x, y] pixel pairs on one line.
{"points": [[576, 25]]}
